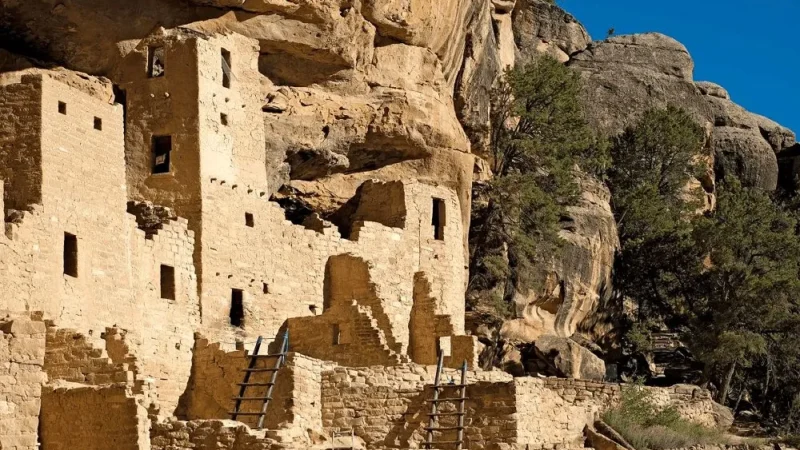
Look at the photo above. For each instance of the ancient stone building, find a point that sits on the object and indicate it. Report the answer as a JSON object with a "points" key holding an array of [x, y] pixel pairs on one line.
{"points": [[143, 255]]}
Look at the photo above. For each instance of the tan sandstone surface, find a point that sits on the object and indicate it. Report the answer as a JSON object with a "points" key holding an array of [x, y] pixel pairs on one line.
{"points": [[201, 174]]}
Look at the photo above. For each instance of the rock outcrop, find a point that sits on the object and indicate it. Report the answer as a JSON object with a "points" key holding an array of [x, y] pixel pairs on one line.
{"points": [[541, 27], [626, 75], [579, 278]]}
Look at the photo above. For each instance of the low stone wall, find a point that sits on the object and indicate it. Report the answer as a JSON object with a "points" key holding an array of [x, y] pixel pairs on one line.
{"points": [[22, 343], [76, 416], [386, 405], [692, 402], [210, 434]]}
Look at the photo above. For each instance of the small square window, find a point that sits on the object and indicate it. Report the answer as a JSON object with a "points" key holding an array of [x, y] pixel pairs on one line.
{"points": [[223, 119], [98, 123], [62, 108], [249, 220]]}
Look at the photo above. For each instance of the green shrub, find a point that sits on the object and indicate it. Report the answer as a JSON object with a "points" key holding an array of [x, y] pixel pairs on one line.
{"points": [[648, 426]]}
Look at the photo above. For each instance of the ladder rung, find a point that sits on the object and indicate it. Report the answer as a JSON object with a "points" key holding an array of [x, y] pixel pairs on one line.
{"points": [[261, 370], [438, 400], [447, 414], [442, 386], [442, 442], [246, 414], [255, 384], [252, 398], [276, 355], [443, 428]]}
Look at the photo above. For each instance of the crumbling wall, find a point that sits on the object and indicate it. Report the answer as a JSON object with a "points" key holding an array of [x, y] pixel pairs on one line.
{"points": [[115, 278], [22, 344], [290, 279], [20, 133], [76, 416], [296, 398], [70, 357], [217, 434], [692, 402]]}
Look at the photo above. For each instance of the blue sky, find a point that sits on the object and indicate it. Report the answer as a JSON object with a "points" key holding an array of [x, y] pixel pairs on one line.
{"points": [[750, 48]]}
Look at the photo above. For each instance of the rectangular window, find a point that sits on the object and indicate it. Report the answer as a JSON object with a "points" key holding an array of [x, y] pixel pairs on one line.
{"points": [[266, 288], [167, 282], [337, 334], [70, 255], [62, 108], [237, 307], [249, 220], [98, 123], [155, 62], [438, 219], [226, 68], [223, 119], [162, 147]]}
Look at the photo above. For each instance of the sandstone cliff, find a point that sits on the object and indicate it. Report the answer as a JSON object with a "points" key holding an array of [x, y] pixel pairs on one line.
{"points": [[388, 89]]}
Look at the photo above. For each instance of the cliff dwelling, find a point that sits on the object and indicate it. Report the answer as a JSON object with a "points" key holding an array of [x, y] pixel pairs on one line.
{"points": [[157, 295]]}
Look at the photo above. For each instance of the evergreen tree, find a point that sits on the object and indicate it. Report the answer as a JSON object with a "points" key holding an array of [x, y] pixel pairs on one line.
{"points": [[539, 137]]}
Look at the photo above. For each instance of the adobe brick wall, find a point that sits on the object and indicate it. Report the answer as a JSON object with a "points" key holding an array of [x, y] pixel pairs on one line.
{"points": [[22, 346]]}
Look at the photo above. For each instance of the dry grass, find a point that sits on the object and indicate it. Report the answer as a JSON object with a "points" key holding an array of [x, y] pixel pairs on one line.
{"points": [[649, 427]]}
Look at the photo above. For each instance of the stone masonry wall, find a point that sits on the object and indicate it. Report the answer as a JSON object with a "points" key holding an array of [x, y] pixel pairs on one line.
{"points": [[118, 266], [22, 344], [218, 434], [69, 357], [92, 418], [290, 280], [20, 129], [296, 404], [386, 405], [692, 402]]}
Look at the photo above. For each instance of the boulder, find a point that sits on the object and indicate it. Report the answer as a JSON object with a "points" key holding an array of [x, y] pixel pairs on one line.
{"points": [[723, 416], [565, 358], [542, 27]]}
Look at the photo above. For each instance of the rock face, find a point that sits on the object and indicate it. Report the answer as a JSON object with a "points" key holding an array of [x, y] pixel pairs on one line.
{"points": [[541, 26], [399, 89], [580, 276], [626, 75]]}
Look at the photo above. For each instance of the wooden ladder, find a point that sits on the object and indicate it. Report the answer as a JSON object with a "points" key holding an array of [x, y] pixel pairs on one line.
{"points": [[247, 383], [436, 401]]}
